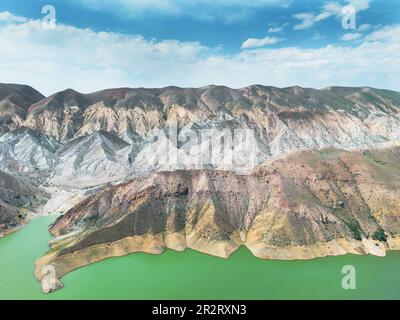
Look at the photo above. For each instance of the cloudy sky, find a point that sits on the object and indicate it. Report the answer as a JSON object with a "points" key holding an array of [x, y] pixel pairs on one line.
{"points": [[97, 44]]}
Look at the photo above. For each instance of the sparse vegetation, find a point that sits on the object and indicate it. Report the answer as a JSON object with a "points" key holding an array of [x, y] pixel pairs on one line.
{"points": [[21, 215], [380, 235], [355, 229]]}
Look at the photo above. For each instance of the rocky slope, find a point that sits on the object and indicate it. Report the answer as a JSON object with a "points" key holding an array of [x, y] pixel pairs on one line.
{"points": [[283, 121], [18, 197], [309, 204], [26, 150], [318, 176], [96, 155], [15, 100]]}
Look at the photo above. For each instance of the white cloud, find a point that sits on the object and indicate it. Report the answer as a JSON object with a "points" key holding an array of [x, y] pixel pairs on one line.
{"points": [[364, 27], [385, 34], [328, 10], [6, 16], [52, 60], [352, 36], [360, 5], [356, 35], [275, 30], [307, 19], [84, 59], [257, 43]]}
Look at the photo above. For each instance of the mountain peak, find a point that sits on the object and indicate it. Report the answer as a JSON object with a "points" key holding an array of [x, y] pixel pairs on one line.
{"points": [[15, 99]]}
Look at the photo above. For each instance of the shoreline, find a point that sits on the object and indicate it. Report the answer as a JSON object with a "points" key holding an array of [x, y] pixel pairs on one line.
{"points": [[158, 244], [14, 230]]}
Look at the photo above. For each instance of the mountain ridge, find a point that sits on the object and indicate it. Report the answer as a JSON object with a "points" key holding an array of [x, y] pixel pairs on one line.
{"points": [[307, 205], [15, 101], [134, 170]]}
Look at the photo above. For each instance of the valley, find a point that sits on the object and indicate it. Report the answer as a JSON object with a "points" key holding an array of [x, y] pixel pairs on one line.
{"points": [[319, 176]]}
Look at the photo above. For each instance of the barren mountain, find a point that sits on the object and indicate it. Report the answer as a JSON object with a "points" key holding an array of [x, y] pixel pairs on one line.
{"points": [[15, 100], [283, 121], [287, 119], [307, 205], [26, 150], [95, 155], [17, 198], [320, 175]]}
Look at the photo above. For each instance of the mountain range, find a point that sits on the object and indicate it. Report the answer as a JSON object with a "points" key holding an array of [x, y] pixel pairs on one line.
{"points": [[320, 177]]}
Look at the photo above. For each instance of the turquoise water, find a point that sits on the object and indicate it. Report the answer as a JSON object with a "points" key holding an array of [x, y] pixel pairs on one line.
{"points": [[192, 275]]}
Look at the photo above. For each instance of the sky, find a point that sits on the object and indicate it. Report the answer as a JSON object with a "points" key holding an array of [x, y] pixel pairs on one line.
{"points": [[89, 45]]}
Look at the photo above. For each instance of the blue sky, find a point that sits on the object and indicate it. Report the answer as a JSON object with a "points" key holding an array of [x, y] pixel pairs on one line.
{"points": [[106, 43]]}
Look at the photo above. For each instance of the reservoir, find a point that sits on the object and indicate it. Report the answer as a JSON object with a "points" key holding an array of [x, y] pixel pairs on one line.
{"points": [[193, 275]]}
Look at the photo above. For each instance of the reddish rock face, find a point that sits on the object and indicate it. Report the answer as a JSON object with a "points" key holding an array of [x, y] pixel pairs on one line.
{"points": [[304, 199]]}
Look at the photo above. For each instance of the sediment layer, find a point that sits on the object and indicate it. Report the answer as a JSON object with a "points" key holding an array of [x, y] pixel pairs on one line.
{"points": [[306, 205]]}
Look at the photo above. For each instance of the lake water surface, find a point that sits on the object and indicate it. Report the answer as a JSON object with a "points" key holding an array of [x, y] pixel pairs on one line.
{"points": [[192, 275]]}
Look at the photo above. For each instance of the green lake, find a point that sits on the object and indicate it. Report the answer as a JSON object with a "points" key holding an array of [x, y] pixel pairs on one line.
{"points": [[192, 275]]}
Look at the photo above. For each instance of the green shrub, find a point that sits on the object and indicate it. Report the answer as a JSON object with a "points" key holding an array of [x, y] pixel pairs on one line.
{"points": [[355, 228], [21, 215], [380, 235]]}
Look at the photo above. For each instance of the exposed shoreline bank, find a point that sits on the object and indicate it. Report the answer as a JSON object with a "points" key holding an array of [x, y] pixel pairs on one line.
{"points": [[157, 244]]}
